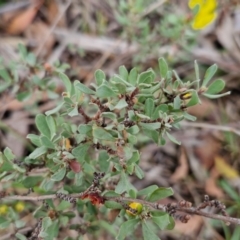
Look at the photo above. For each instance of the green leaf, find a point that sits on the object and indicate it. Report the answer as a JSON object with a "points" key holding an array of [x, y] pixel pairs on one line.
{"points": [[102, 134], [149, 107], [147, 190], [63, 205], [46, 142], [171, 225], [194, 99], [211, 96], [38, 152], [160, 193], [127, 228], [66, 81], [103, 161], [105, 92], [123, 184], [55, 110], [112, 205], [22, 50], [132, 77], [161, 221], [121, 104], [42, 125], [118, 79], [133, 130], [109, 115], [8, 154], [163, 67], [148, 232], [51, 125], [85, 128], [52, 231], [152, 134], [196, 70], [83, 88], [59, 175], [177, 102], [121, 88], [22, 96], [209, 74], [81, 151], [150, 126], [134, 158], [146, 77], [162, 108], [99, 77], [123, 72], [173, 139], [189, 116], [139, 172], [73, 112], [20, 236], [30, 182], [216, 87]]}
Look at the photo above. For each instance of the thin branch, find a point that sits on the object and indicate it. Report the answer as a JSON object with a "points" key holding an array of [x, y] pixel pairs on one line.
{"points": [[190, 210], [211, 126], [152, 205]]}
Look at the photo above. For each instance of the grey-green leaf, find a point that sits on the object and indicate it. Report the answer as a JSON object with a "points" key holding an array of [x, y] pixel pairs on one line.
{"points": [[99, 77], [216, 87], [59, 175], [66, 81], [160, 193], [148, 231], [173, 139], [194, 99], [83, 88], [42, 125], [46, 142], [121, 104], [38, 152], [209, 74], [147, 190], [104, 92], [149, 107], [127, 228], [132, 77], [123, 72], [163, 67], [102, 134]]}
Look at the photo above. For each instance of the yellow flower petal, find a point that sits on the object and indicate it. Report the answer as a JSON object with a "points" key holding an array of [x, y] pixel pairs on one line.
{"points": [[225, 169], [201, 20]]}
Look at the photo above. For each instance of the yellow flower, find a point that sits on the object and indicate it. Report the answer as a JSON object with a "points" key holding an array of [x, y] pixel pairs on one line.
{"points": [[19, 207], [3, 209], [136, 206], [207, 12]]}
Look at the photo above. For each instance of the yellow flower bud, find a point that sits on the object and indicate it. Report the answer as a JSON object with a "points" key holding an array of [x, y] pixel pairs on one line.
{"points": [[3, 209], [19, 207], [135, 206], [186, 95]]}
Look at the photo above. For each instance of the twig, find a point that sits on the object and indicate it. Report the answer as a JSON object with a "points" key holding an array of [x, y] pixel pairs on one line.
{"points": [[190, 210], [211, 126], [152, 205], [39, 50]]}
